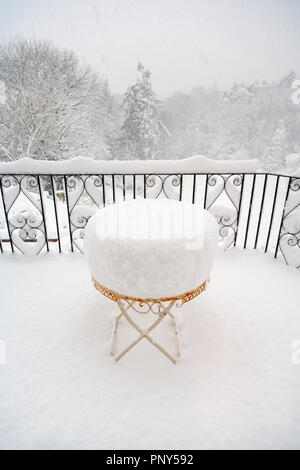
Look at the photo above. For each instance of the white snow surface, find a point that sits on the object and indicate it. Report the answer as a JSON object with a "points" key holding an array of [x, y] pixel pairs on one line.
{"points": [[293, 163], [83, 165], [151, 248], [235, 387]]}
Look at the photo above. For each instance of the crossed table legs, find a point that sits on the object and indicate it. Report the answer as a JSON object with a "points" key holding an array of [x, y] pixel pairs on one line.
{"points": [[160, 307], [162, 313]]}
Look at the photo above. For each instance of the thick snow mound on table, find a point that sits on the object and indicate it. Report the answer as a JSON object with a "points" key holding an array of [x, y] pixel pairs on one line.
{"points": [[151, 248]]}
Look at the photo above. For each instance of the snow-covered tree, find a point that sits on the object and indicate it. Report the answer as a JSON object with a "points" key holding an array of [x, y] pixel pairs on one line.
{"points": [[54, 107], [236, 125], [142, 130], [275, 155]]}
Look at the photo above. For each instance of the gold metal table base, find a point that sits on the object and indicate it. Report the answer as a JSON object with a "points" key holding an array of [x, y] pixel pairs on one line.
{"points": [[160, 307]]}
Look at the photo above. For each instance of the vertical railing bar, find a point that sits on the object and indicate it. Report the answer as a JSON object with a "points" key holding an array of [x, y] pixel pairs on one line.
{"points": [[134, 187], [181, 184], [103, 191], [239, 211], [6, 217], [194, 189], [249, 211], [261, 210], [1, 249], [124, 186], [272, 214], [206, 188], [113, 188], [55, 211], [282, 216], [68, 210], [145, 194], [43, 212]]}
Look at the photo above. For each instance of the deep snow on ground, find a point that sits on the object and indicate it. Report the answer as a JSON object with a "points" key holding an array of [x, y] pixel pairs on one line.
{"points": [[236, 385]]}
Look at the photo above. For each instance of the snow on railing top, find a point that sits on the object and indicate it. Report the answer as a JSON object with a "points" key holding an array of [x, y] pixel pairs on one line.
{"points": [[83, 165]]}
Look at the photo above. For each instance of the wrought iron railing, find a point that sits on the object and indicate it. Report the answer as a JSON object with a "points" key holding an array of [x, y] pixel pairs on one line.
{"points": [[49, 212]]}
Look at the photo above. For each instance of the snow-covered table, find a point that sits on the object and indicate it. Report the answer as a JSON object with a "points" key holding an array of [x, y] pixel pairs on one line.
{"points": [[150, 255]]}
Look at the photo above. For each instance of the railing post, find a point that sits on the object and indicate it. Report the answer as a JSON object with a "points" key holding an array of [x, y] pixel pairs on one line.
{"points": [[205, 193], [113, 188], [180, 191], [194, 189], [103, 191], [261, 210], [250, 211], [55, 211], [272, 214], [43, 212], [282, 216], [68, 209], [124, 188], [6, 216], [239, 211]]}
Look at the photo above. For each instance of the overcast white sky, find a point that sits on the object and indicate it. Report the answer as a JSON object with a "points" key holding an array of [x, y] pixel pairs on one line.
{"points": [[184, 43]]}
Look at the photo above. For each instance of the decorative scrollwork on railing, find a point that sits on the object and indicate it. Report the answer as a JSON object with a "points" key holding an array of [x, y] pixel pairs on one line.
{"points": [[27, 228], [215, 187], [33, 207], [289, 237], [93, 186], [22, 201], [154, 184], [11, 190], [223, 196], [165, 186], [85, 194]]}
